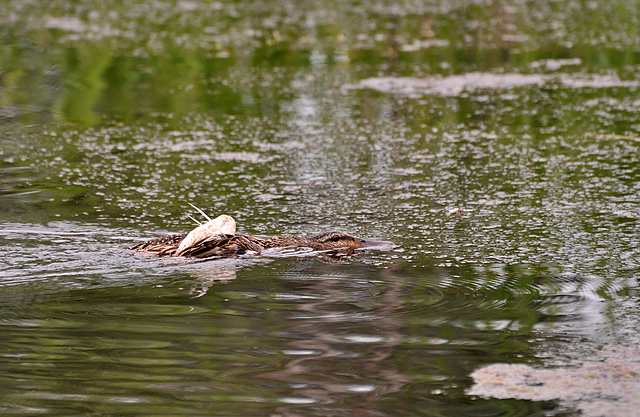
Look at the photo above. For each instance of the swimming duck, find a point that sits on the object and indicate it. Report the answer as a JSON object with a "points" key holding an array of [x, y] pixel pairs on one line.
{"points": [[217, 238], [229, 245]]}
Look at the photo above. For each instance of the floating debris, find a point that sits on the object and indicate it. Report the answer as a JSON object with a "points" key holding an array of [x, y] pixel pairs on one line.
{"points": [[66, 23], [605, 385], [555, 64], [455, 85]]}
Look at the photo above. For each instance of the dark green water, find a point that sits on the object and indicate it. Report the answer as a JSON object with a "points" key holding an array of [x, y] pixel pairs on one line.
{"points": [[514, 202]]}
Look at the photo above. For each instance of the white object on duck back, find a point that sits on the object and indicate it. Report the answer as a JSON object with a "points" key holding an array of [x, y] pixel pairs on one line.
{"points": [[221, 225]]}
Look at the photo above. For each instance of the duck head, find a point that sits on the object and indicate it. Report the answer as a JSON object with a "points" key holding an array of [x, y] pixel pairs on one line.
{"points": [[335, 240]]}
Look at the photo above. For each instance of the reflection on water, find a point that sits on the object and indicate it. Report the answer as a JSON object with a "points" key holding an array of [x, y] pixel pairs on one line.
{"points": [[495, 143], [286, 334], [92, 325]]}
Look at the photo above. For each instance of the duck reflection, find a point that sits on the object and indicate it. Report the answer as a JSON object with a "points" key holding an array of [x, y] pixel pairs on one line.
{"points": [[222, 271], [208, 274], [343, 338]]}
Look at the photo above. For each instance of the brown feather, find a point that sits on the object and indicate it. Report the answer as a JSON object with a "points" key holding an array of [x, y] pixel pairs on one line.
{"points": [[231, 245]]}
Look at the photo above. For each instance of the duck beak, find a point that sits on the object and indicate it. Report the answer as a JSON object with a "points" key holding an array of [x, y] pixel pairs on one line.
{"points": [[375, 244]]}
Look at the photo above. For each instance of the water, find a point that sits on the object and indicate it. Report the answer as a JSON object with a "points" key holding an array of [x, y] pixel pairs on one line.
{"points": [[494, 143]]}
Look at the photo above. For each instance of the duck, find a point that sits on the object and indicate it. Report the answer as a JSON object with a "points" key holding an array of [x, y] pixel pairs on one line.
{"points": [[231, 245], [217, 238]]}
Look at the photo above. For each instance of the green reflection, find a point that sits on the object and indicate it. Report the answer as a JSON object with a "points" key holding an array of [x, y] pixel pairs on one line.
{"points": [[258, 343], [131, 60], [84, 69]]}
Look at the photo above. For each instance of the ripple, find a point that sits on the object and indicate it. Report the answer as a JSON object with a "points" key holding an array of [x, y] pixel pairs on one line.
{"points": [[121, 309]]}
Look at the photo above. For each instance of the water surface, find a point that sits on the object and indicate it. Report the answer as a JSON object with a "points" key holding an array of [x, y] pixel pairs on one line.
{"points": [[494, 143]]}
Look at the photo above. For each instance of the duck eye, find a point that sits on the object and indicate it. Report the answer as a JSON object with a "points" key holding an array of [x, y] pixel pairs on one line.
{"points": [[335, 238]]}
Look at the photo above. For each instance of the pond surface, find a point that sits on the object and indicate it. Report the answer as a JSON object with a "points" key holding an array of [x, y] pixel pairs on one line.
{"points": [[495, 143]]}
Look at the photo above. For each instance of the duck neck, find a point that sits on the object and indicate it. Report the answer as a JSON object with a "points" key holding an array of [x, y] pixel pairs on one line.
{"points": [[282, 241]]}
